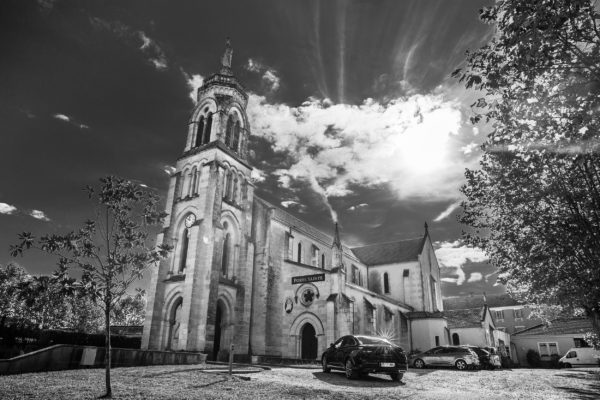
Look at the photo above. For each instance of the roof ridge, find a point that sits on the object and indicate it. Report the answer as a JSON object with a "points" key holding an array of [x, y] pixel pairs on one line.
{"points": [[390, 242]]}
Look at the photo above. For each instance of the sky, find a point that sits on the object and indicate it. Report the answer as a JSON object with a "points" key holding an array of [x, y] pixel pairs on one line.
{"points": [[353, 112]]}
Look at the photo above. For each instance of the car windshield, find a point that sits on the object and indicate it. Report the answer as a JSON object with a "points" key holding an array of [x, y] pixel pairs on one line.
{"points": [[372, 340]]}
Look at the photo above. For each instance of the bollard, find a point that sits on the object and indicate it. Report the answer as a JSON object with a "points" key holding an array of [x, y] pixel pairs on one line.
{"points": [[230, 358]]}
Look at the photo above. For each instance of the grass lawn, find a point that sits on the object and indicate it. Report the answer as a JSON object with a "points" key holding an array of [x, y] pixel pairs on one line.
{"points": [[192, 382]]}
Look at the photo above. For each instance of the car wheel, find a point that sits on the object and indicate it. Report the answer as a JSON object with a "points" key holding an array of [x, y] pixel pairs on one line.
{"points": [[419, 363], [326, 369], [397, 376], [460, 365], [350, 372]]}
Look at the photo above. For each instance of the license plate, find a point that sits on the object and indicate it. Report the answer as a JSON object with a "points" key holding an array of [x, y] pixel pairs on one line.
{"points": [[387, 365]]}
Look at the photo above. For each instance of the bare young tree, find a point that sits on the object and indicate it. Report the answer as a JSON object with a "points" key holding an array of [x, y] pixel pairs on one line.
{"points": [[110, 251]]}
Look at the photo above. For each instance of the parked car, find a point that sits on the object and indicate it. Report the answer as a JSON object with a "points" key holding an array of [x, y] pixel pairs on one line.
{"points": [[446, 356], [360, 354], [580, 357], [487, 358]]}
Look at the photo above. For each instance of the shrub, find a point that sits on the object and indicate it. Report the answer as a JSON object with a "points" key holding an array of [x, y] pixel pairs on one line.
{"points": [[533, 358]]}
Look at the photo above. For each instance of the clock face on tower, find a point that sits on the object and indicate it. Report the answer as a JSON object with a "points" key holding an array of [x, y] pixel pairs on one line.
{"points": [[189, 220]]}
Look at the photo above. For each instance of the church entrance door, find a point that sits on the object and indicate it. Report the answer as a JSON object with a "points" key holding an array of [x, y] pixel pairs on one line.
{"points": [[218, 322], [309, 342]]}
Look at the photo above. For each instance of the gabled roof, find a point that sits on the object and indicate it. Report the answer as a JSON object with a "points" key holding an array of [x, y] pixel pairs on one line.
{"points": [[476, 301], [390, 253], [559, 327], [466, 318]]}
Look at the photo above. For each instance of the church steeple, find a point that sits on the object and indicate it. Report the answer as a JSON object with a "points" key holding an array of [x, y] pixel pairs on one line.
{"points": [[219, 118]]}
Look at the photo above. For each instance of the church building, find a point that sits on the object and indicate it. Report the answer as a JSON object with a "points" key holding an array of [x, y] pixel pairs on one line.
{"points": [[246, 272]]}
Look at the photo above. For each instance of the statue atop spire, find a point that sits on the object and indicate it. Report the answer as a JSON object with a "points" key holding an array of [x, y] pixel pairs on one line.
{"points": [[226, 59]]}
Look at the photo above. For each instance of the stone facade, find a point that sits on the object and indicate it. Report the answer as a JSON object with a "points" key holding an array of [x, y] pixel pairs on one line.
{"points": [[247, 273]]}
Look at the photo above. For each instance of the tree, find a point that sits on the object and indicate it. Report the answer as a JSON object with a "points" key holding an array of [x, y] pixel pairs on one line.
{"points": [[110, 251], [534, 204], [131, 310], [45, 302], [12, 276]]}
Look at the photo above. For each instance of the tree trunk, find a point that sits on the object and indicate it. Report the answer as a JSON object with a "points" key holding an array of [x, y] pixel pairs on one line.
{"points": [[595, 315], [107, 356]]}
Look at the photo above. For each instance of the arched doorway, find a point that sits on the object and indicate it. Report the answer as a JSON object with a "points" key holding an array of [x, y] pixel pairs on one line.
{"points": [[455, 339], [218, 332], [309, 342], [174, 325]]}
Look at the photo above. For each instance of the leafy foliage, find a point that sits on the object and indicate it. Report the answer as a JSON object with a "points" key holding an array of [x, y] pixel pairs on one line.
{"points": [[534, 204], [110, 251]]}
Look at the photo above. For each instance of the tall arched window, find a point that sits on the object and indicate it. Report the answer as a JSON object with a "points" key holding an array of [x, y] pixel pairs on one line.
{"points": [[196, 172], [190, 183], [227, 184], [185, 240], [229, 130], [226, 253], [323, 260], [234, 191], [299, 252], [236, 136], [207, 128], [386, 283], [199, 132]]}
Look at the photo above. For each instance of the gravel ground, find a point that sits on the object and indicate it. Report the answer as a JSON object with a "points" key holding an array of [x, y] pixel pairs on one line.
{"points": [[193, 382]]}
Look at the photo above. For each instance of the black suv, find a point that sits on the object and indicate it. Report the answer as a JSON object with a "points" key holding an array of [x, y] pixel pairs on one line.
{"points": [[358, 354]]}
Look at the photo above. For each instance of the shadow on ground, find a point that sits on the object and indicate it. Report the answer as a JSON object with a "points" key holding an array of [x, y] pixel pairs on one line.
{"points": [[338, 378], [591, 390]]}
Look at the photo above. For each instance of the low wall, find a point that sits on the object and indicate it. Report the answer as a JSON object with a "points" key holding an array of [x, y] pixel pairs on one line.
{"points": [[63, 356]]}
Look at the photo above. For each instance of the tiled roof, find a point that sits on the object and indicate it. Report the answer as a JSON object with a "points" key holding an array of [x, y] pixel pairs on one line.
{"points": [[424, 314], [559, 327], [389, 253], [476, 301], [466, 318]]}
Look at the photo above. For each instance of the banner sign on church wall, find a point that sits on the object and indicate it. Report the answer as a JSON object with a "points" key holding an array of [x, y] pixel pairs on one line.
{"points": [[308, 278]]}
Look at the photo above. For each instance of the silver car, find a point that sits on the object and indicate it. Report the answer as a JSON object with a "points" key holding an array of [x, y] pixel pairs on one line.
{"points": [[446, 356]]}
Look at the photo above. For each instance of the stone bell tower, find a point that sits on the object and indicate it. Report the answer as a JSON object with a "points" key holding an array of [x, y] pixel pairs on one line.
{"points": [[198, 299]]}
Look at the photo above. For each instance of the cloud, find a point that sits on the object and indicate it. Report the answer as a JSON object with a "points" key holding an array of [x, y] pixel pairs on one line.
{"points": [[358, 207], [37, 214], [447, 212], [407, 143], [288, 203], [67, 119], [454, 256], [155, 54], [7, 208], [475, 277], [269, 75], [194, 82], [257, 175], [468, 148], [152, 51], [169, 169]]}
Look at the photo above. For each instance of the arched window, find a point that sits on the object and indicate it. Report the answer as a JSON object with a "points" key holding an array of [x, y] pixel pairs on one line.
{"points": [[323, 260], [455, 339], [190, 183], [199, 132], [183, 182], [236, 136], [227, 184], [185, 240], [196, 172], [234, 191], [386, 283], [179, 185], [207, 128], [299, 252], [229, 130], [315, 256], [225, 258]]}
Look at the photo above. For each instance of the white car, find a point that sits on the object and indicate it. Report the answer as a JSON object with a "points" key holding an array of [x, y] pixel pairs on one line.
{"points": [[580, 357]]}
